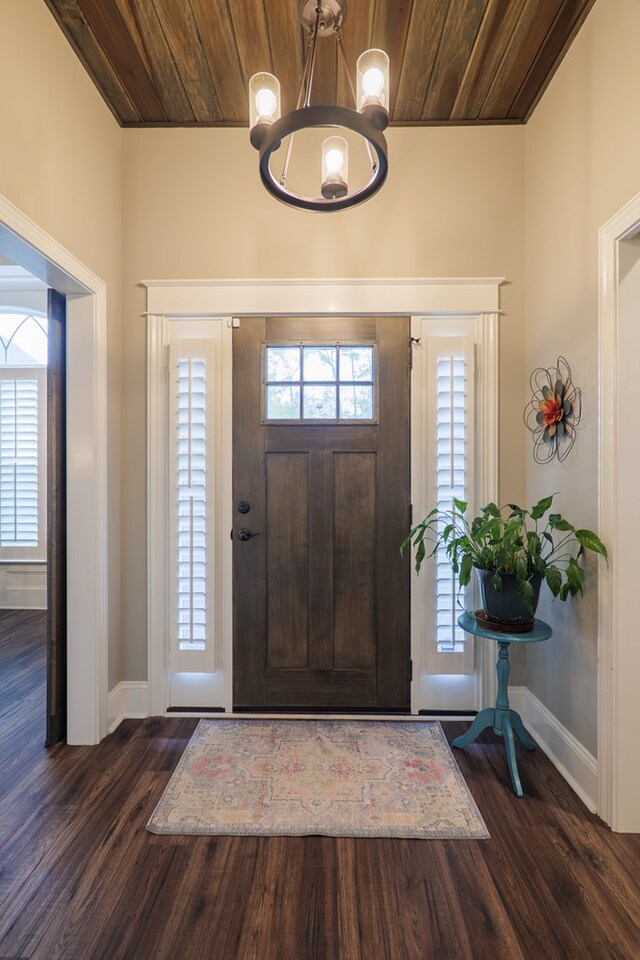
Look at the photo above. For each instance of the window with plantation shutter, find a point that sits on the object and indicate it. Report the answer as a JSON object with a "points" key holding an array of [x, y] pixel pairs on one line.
{"points": [[22, 464], [451, 482], [191, 492], [23, 413], [449, 461], [192, 509]]}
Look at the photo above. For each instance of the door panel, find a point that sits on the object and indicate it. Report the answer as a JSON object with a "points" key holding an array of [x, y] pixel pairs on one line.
{"points": [[354, 539], [287, 566], [321, 595]]}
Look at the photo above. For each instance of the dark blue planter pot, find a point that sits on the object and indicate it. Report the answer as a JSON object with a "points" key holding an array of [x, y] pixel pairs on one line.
{"points": [[507, 605]]}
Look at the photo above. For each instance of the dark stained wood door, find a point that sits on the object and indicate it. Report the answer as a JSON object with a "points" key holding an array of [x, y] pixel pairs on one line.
{"points": [[56, 523], [321, 593]]}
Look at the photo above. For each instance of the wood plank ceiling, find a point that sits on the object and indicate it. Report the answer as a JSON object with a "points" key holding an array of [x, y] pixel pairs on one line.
{"points": [[188, 62]]}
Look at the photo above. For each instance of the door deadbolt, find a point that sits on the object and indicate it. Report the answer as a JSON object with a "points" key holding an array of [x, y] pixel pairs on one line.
{"points": [[244, 507]]}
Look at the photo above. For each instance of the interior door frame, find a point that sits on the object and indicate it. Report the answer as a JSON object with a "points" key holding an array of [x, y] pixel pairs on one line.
{"points": [[29, 246], [224, 300], [618, 657]]}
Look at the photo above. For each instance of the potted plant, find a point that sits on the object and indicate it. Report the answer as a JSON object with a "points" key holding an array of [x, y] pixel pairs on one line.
{"points": [[513, 551]]}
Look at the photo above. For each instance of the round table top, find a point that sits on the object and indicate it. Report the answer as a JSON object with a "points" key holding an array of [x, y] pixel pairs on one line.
{"points": [[539, 631]]}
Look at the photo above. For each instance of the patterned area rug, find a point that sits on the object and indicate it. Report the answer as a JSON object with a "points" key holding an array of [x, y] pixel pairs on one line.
{"points": [[338, 778]]}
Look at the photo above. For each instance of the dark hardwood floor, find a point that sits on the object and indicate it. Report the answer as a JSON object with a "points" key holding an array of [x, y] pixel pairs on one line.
{"points": [[80, 878]]}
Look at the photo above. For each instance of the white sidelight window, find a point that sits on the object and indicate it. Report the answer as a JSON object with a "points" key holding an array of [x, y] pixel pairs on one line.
{"points": [[192, 504], [449, 456], [191, 490], [451, 442], [443, 425]]}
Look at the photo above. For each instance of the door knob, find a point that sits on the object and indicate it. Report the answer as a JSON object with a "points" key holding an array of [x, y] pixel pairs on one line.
{"points": [[244, 534]]}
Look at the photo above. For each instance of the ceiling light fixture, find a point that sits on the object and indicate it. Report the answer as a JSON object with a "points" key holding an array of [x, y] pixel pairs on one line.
{"points": [[324, 18]]}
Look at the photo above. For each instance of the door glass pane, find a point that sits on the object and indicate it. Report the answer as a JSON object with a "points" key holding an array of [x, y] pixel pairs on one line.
{"points": [[283, 363], [319, 363], [356, 363], [319, 403], [334, 381], [283, 402], [356, 402]]}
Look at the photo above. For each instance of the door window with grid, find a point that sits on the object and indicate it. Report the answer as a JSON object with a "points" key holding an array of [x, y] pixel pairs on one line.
{"points": [[320, 382]]}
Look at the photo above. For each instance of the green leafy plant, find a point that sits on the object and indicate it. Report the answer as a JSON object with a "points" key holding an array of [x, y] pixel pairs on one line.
{"points": [[508, 540]]}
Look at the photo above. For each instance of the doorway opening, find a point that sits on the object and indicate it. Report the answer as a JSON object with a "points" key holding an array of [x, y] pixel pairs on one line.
{"points": [[321, 466], [174, 308], [24, 507], [23, 243]]}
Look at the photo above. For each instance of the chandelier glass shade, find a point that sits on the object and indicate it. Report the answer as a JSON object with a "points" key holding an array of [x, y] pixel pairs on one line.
{"points": [[363, 124]]}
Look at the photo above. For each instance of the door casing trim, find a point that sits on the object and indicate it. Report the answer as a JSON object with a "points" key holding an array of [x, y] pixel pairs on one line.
{"points": [[292, 297], [618, 781], [216, 299], [24, 242]]}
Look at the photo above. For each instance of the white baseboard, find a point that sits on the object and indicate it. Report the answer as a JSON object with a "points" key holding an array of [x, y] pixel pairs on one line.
{"points": [[129, 700], [578, 767]]}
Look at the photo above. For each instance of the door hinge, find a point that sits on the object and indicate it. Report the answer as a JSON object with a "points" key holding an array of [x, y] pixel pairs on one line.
{"points": [[412, 341], [410, 670], [410, 516]]}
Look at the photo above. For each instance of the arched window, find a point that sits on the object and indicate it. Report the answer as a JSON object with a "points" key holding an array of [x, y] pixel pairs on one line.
{"points": [[23, 340], [23, 387]]}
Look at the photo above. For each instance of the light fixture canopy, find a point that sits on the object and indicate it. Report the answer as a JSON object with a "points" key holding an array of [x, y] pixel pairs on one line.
{"points": [[368, 119]]}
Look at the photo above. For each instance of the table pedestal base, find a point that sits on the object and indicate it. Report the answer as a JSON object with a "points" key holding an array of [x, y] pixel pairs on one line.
{"points": [[502, 718], [505, 723]]}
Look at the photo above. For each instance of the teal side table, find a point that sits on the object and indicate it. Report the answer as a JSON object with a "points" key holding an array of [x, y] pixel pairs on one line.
{"points": [[505, 722]]}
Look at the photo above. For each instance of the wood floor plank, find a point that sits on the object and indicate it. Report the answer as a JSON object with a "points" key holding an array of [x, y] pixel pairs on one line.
{"points": [[346, 896], [81, 879]]}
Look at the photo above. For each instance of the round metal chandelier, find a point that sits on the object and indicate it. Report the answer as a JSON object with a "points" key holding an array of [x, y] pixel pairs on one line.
{"points": [[368, 119]]}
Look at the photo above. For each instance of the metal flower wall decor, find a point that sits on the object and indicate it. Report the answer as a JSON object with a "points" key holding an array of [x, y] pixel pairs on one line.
{"points": [[554, 411]]}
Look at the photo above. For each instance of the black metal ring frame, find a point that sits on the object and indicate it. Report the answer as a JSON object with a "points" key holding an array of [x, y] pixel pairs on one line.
{"points": [[320, 116]]}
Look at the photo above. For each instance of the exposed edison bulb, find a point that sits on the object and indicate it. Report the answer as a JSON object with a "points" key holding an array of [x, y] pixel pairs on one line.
{"points": [[264, 106], [334, 161], [372, 74], [265, 102], [335, 168], [372, 82]]}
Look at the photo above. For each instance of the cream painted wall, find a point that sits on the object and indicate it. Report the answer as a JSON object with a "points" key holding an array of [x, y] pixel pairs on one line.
{"points": [[582, 166], [61, 165], [194, 208]]}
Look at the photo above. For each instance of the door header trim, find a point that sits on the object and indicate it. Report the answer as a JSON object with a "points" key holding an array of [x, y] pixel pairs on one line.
{"points": [[298, 297]]}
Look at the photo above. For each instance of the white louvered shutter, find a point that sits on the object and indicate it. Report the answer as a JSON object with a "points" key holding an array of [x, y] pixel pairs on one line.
{"points": [[22, 464], [451, 469], [192, 519]]}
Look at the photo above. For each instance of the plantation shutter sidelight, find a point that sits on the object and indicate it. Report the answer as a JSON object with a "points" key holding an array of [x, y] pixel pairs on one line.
{"points": [[450, 459], [450, 483], [192, 519]]}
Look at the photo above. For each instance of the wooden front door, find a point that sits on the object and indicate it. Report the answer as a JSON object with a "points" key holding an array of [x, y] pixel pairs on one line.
{"points": [[321, 480]]}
